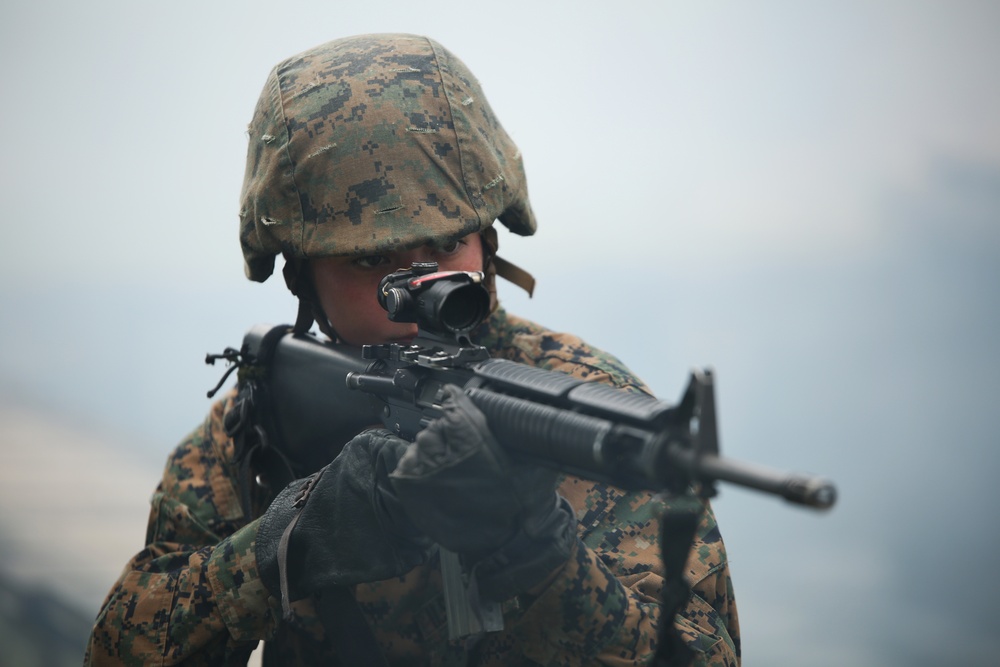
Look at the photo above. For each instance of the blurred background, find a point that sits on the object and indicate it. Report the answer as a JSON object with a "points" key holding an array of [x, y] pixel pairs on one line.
{"points": [[805, 196]]}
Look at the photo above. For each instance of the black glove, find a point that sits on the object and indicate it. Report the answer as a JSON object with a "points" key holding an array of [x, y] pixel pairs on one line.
{"points": [[462, 490], [344, 524]]}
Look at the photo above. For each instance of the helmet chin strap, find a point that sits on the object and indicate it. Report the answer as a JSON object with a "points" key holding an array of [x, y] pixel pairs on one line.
{"points": [[515, 274], [494, 266], [299, 281], [304, 318]]}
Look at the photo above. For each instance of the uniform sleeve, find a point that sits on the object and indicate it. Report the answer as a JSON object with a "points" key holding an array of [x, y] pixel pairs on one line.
{"points": [[603, 608], [193, 594]]}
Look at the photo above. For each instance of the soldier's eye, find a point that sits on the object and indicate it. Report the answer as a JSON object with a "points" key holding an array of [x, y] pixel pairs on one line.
{"points": [[451, 248], [371, 261]]}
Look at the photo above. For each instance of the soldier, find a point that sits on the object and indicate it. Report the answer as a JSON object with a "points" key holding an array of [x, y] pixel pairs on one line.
{"points": [[367, 154]]}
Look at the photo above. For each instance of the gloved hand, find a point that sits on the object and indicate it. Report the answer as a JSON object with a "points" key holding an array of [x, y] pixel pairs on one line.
{"points": [[347, 525], [462, 490]]}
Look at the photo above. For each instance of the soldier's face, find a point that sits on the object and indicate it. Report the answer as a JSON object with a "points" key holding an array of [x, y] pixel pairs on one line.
{"points": [[347, 288]]}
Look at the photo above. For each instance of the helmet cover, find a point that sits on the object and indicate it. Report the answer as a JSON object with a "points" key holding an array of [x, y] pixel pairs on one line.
{"points": [[370, 144]]}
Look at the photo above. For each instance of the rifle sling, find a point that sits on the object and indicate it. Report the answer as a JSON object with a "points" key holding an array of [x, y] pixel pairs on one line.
{"points": [[678, 528]]}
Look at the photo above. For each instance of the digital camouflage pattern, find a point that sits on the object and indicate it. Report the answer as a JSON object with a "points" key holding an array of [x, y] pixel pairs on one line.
{"points": [[193, 594], [374, 143]]}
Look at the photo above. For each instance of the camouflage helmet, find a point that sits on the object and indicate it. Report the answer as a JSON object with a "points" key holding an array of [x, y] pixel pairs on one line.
{"points": [[374, 143]]}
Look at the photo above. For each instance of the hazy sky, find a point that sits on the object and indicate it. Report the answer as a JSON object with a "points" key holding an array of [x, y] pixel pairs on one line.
{"points": [[804, 195], [748, 131]]}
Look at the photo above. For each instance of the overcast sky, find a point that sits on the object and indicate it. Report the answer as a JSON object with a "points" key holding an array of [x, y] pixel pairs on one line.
{"points": [[804, 195]]}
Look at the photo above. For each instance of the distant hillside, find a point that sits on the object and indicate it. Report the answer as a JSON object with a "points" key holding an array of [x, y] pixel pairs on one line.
{"points": [[38, 628], [73, 510]]}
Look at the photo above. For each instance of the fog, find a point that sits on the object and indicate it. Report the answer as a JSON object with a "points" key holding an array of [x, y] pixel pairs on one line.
{"points": [[804, 197]]}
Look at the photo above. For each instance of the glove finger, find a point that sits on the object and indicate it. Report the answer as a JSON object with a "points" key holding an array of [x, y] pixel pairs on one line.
{"points": [[459, 434]]}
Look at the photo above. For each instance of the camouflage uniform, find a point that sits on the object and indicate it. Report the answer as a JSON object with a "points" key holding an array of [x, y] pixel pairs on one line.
{"points": [[193, 593], [363, 146]]}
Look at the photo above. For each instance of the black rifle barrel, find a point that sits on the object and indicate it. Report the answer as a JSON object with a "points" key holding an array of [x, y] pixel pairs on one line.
{"points": [[631, 457]]}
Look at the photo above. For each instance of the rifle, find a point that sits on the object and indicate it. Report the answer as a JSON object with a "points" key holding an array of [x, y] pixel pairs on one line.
{"points": [[322, 393]]}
